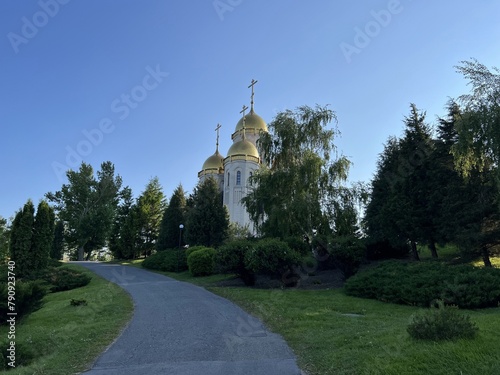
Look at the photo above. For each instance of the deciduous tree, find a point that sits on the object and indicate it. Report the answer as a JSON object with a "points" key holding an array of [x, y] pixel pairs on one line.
{"points": [[87, 206], [295, 194]]}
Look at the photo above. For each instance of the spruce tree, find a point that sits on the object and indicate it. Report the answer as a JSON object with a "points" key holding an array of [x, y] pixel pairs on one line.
{"points": [[150, 207], [207, 218], [174, 215]]}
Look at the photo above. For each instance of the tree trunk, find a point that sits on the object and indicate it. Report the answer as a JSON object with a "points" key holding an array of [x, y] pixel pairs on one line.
{"points": [[80, 252], [414, 251], [486, 256], [432, 247]]}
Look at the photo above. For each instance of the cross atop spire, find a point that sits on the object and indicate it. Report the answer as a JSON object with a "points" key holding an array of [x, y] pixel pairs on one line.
{"points": [[243, 111], [217, 143], [251, 101]]}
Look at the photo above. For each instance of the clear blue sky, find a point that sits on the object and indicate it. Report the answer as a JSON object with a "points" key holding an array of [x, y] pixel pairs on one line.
{"points": [[67, 68]]}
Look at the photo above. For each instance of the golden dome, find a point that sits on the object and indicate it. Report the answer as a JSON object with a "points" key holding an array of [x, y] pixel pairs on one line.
{"points": [[216, 161], [243, 148], [252, 121]]}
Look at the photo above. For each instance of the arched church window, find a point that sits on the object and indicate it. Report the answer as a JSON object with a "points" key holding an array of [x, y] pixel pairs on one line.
{"points": [[249, 181], [228, 177], [238, 178]]}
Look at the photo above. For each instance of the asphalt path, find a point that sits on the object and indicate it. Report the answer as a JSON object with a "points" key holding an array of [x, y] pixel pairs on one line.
{"points": [[181, 329]]}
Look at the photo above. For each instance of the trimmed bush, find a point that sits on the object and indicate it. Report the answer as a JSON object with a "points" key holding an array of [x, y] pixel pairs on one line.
{"points": [[28, 298], [442, 323], [171, 260], [190, 250], [272, 257], [62, 278], [230, 258], [421, 283], [201, 262]]}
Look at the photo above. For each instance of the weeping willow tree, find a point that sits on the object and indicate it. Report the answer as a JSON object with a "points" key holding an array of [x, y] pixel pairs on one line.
{"points": [[298, 190], [478, 145], [477, 152]]}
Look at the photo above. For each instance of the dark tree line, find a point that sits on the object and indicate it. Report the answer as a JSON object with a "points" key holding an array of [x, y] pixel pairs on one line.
{"points": [[32, 239], [419, 196]]}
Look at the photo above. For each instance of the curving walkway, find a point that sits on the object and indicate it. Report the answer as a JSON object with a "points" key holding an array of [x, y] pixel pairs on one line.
{"points": [[181, 329]]}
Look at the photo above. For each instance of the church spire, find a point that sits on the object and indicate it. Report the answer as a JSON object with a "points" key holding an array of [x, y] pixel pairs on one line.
{"points": [[251, 100], [243, 111], [217, 142]]}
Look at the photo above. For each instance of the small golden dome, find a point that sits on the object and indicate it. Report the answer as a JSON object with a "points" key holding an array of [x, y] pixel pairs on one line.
{"points": [[244, 148], [215, 161], [252, 121]]}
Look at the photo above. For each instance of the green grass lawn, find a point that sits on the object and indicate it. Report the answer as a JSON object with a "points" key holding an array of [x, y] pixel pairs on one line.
{"points": [[335, 334], [67, 339], [332, 333]]}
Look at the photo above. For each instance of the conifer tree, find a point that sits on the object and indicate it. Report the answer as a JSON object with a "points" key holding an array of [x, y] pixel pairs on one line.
{"points": [[207, 218], [20, 240], [150, 207], [43, 236], [124, 237], [173, 216]]}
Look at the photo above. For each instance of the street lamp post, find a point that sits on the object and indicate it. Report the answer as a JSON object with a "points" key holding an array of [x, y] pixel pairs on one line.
{"points": [[181, 227]]}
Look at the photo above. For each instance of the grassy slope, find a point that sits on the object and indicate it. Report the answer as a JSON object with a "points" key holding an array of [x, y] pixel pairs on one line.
{"points": [[328, 342], [68, 339]]}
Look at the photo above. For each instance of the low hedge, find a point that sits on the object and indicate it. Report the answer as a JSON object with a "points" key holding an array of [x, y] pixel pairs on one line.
{"points": [[272, 257], [170, 260], [422, 283], [230, 258], [201, 262], [28, 298], [62, 278]]}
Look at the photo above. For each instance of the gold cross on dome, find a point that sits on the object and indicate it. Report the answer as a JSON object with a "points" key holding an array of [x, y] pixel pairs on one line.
{"points": [[243, 111], [251, 86], [217, 130]]}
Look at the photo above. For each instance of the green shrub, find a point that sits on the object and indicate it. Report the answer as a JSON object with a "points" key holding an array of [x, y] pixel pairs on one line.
{"points": [[230, 258], [201, 262], [421, 283], [170, 260], [24, 355], [272, 257], [192, 249], [347, 252], [298, 244], [28, 298], [78, 302], [442, 323], [62, 278]]}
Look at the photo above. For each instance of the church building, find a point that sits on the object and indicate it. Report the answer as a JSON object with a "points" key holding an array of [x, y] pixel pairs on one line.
{"points": [[234, 170]]}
